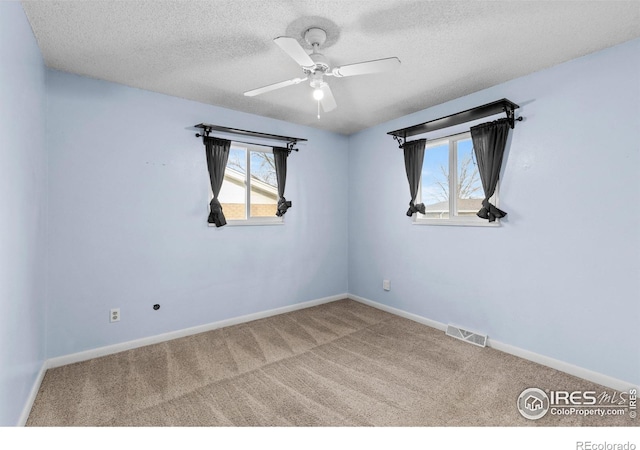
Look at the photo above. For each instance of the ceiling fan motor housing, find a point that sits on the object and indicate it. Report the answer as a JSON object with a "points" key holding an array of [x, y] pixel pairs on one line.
{"points": [[315, 37], [322, 63]]}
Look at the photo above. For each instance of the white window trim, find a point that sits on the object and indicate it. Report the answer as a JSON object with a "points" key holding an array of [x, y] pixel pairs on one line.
{"points": [[454, 220], [250, 221], [466, 222]]}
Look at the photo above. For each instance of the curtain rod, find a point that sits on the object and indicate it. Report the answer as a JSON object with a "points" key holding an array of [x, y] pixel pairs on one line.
{"points": [[490, 109], [449, 135], [208, 128]]}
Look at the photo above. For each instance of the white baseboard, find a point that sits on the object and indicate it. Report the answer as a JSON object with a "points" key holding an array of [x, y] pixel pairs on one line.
{"points": [[32, 396], [580, 372], [116, 348], [562, 366], [400, 312]]}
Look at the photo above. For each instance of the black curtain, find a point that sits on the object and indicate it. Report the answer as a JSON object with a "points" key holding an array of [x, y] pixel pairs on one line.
{"points": [[413, 157], [280, 156], [489, 141], [217, 155]]}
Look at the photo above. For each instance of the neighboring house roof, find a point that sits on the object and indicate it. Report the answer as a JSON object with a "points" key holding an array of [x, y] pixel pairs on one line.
{"points": [[257, 184]]}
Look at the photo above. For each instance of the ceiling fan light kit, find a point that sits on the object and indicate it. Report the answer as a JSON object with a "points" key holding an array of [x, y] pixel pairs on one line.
{"points": [[318, 94], [316, 66]]}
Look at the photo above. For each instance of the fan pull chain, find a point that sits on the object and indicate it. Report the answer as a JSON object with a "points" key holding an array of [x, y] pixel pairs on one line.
{"points": [[318, 109]]}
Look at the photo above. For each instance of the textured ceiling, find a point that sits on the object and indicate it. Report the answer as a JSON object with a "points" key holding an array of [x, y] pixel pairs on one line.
{"points": [[213, 51]]}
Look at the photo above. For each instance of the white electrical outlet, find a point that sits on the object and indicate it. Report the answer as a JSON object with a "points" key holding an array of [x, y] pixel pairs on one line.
{"points": [[386, 285], [115, 315]]}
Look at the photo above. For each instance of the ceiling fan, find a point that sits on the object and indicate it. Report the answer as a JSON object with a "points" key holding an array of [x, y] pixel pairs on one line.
{"points": [[316, 66]]}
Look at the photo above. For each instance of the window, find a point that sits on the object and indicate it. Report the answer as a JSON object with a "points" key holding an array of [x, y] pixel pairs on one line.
{"points": [[249, 193], [449, 167]]}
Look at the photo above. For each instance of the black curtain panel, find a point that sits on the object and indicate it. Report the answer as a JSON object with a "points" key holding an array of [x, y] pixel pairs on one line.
{"points": [[413, 157], [489, 141], [280, 156], [217, 155]]}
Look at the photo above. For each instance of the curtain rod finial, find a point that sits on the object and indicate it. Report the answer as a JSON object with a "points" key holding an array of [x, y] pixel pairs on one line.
{"points": [[291, 146], [511, 116]]}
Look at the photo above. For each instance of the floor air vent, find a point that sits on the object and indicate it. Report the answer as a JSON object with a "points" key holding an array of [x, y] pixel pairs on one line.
{"points": [[467, 336]]}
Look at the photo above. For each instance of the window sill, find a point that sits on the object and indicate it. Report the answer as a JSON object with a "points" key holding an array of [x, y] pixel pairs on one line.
{"points": [[457, 223], [253, 222]]}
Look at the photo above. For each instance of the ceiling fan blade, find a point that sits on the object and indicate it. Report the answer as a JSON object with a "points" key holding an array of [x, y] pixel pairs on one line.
{"points": [[363, 68], [292, 48], [328, 101], [273, 87]]}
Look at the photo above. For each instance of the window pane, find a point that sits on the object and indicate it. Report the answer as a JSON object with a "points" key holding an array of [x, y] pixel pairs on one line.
{"points": [[264, 187], [233, 195], [468, 185], [435, 181]]}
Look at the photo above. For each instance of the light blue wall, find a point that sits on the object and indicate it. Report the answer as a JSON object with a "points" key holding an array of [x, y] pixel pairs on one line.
{"points": [[23, 204], [128, 199], [561, 277]]}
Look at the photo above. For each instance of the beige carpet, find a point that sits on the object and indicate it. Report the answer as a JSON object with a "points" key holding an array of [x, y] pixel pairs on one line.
{"points": [[338, 364]]}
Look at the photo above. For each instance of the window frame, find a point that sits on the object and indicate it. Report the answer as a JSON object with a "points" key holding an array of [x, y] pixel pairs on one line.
{"points": [[250, 221], [453, 219]]}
